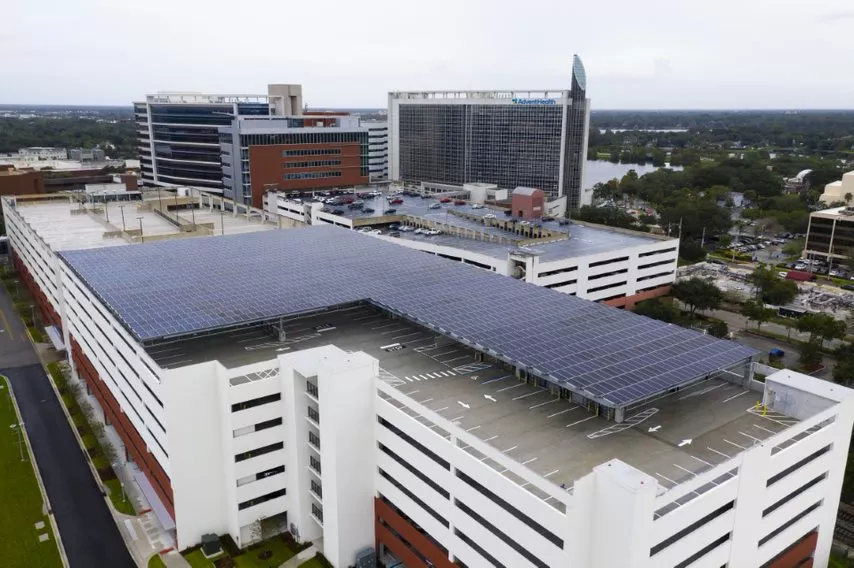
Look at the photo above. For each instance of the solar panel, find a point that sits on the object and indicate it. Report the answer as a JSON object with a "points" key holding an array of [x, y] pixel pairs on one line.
{"points": [[173, 288]]}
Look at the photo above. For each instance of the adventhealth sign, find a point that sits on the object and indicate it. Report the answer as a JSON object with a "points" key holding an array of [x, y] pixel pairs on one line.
{"points": [[534, 102]]}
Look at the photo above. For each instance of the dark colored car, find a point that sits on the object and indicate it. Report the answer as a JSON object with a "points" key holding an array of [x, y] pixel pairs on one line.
{"points": [[394, 233], [847, 286], [337, 211], [445, 200], [508, 212], [459, 202], [425, 197], [396, 201], [367, 210], [390, 211]]}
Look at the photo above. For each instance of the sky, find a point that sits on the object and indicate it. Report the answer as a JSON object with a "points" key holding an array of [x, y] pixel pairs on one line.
{"points": [[656, 54]]}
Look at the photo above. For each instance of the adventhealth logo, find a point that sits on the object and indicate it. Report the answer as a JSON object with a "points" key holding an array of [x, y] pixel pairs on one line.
{"points": [[534, 101]]}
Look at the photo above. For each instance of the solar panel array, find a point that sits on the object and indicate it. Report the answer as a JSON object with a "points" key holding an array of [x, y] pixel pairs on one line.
{"points": [[178, 287]]}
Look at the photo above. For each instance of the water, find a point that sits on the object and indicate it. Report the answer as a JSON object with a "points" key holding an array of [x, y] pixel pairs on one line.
{"points": [[601, 171]]}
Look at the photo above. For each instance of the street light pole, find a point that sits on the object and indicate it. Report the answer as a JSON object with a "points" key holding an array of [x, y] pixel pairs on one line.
{"points": [[17, 428], [122, 208], [141, 237], [159, 200], [107, 208]]}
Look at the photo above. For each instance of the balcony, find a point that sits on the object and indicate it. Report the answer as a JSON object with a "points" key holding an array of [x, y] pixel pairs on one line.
{"points": [[316, 490], [314, 441], [314, 465], [311, 391], [317, 513], [313, 416]]}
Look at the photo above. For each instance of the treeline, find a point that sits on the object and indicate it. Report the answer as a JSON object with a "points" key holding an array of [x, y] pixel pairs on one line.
{"points": [[813, 132], [69, 133]]}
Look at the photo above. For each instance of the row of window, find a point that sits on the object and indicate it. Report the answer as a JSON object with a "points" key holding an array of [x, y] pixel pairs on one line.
{"points": [[237, 407], [312, 152], [313, 164], [257, 427], [261, 499], [260, 475], [312, 175], [259, 452]]}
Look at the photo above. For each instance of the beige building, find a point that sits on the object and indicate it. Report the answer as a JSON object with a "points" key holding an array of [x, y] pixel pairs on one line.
{"points": [[839, 191]]}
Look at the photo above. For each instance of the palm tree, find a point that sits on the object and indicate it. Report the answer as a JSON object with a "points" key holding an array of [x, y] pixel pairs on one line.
{"points": [[848, 197]]}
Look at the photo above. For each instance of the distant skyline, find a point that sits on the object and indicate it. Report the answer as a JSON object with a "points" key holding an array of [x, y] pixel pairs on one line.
{"points": [[660, 54]]}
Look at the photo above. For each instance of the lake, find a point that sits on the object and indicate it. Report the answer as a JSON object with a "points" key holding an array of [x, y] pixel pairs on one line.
{"points": [[601, 171]]}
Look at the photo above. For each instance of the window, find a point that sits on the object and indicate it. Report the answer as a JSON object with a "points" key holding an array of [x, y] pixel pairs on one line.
{"points": [[256, 402], [651, 253], [609, 261], [317, 511], [314, 463], [312, 175], [417, 445], [703, 551], [790, 522], [259, 452], [412, 496], [443, 492], [316, 488], [314, 439], [312, 152], [501, 536], [691, 528], [314, 414], [261, 499], [815, 455], [268, 424]]}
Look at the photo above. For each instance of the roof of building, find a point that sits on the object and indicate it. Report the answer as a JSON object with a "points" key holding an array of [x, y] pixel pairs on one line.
{"points": [[62, 226], [526, 191], [177, 288]]}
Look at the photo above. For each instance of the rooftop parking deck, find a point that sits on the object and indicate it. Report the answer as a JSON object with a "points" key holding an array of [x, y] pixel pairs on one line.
{"points": [[66, 226], [672, 438], [584, 240]]}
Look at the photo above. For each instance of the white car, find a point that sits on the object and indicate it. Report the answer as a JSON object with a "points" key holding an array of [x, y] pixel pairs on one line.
{"points": [[489, 216], [375, 232], [419, 231], [432, 232], [477, 205], [366, 230]]}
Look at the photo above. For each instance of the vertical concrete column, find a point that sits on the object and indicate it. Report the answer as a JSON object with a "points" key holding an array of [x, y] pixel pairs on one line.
{"points": [[748, 511]]}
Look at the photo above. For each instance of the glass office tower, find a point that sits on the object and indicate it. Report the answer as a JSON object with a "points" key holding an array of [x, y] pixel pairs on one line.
{"points": [[510, 138]]}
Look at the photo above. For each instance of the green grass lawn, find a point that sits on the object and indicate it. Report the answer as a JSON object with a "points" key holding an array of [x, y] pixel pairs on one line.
{"points": [[311, 563], [249, 558], [156, 562], [21, 499], [114, 488], [838, 562]]}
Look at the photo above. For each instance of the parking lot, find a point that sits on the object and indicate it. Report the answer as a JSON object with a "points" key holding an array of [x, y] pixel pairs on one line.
{"points": [[672, 439]]}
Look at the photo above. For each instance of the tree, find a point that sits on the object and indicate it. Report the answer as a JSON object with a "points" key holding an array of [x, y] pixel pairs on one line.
{"points": [[780, 292], [762, 278], [843, 372], [848, 197], [691, 250], [821, 327], [794, 248], [718, 328], [810, 357], [658, 309], [756, 311], [696, 293]]}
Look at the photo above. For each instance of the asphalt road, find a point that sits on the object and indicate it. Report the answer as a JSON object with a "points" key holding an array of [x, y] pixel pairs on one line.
{"points": [[88, 531]]}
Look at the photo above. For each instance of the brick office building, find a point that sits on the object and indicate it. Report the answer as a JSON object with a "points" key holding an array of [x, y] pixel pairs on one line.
{"points": [[312, 151], [20, 182]]}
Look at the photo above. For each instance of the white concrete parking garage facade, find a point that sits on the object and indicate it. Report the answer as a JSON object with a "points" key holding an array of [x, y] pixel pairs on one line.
{"points": [[354, 406]]}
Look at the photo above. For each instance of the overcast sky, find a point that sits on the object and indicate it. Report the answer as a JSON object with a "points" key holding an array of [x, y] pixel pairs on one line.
{"points": [[350, 53]]}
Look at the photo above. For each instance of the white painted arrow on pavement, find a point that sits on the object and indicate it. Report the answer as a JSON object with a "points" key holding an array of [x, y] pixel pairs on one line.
{"points": [[464, 405], [489, 397], [685, 442], [654, 429]]}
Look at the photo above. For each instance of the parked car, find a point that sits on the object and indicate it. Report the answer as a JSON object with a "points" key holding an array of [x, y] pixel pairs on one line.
{"points": [[508, 213], [337, 211], [548, 218], [367, 210], [477, 205], [459, 202], [436, 206], [394, 233], [389, 211], [375, 232], [489, 216], [366, 229], [433, 232], [419, 231], [445, 200]]}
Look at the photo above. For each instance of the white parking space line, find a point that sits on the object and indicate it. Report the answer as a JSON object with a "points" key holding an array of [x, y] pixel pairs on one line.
{"points": [[451, 373], [490, 438], [444, 373], [473, 428], [428, 338], [386, 325], [513, 387], [580, 421], [749, 436], [718, 452], [702, 392], [441, 409], [526, 462], [735, 396], [454, 359], [551, 473], [406, 335], [766, 429], [699, 460], [734, 444], [457, 418], [425, 401], [445, 353], [666, 478], [408, 379], [493, 380], [570, 409], [543, 403], [411, 393], [685, 469], [526, 395], [424, 377], [510, 449], [434, 375], [394, 330], [367, 317]]}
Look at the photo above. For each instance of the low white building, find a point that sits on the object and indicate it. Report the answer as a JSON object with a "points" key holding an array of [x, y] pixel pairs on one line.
{"points": [[838, 191]]}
